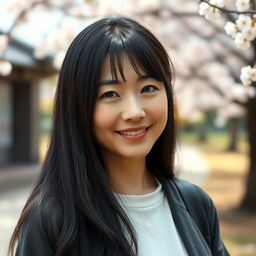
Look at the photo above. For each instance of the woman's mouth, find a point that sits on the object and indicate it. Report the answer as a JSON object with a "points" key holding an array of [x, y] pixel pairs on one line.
{"points": [[134, 133]]}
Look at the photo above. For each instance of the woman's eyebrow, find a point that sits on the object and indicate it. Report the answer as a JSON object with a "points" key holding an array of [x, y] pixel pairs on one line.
{"points": [[114, 81]]}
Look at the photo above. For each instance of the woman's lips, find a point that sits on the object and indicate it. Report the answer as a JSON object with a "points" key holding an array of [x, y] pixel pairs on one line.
{"points": [[137, 133]]}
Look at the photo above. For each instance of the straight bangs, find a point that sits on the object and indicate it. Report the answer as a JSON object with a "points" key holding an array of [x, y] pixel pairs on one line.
{"points": [[144, 57]]}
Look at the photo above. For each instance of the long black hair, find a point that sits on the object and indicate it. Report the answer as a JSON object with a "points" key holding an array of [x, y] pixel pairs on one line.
{"points": [[73, 183]]}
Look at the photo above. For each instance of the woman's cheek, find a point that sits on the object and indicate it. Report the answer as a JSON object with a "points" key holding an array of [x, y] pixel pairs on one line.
{"points": [[104, 116]]}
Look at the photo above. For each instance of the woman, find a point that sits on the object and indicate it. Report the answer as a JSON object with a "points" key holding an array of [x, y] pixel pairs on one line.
{"points": [[107, 185]]}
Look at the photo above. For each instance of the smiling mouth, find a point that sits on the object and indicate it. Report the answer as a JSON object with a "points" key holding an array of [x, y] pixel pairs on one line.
{"points": [[132, 133]]}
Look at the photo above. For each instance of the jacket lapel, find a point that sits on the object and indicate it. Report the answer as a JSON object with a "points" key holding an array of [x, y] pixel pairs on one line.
{"points": [[190, 235]]}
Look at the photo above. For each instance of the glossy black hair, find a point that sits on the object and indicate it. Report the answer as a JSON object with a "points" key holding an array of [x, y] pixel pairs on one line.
{"points": [[73, 183]]}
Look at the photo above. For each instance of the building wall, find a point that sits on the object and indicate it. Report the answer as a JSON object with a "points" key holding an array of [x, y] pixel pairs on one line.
{"points": [[6, 122], [19, 121]]}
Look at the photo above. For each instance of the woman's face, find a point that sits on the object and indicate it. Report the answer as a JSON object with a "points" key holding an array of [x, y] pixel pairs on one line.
{"points": [[129, 116]]}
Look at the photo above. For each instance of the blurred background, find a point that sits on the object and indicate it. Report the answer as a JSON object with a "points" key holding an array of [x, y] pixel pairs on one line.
{"points": [[216, 114]]}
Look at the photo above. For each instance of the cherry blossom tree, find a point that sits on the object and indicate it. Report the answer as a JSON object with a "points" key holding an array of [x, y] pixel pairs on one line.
{"points": [[214, 57], [241, 27], [207, 65]]}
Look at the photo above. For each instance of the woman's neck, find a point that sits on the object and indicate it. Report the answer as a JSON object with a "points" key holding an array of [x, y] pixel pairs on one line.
{"points": [[130, 176]]}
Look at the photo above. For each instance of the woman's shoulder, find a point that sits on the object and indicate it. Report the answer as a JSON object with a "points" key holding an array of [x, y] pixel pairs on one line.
{"points": [[192, 193], [37, 230], [44, 214], [203, 211], [189, 186], [197, 202], [43, 207]]}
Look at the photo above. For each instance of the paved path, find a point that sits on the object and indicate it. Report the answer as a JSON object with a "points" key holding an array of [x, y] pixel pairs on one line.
{"points": [[189, 162], [191, 165]]}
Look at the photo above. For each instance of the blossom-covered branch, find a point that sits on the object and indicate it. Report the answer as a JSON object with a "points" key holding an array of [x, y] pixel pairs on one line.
{"points": [[243, 30], [219, 5]]}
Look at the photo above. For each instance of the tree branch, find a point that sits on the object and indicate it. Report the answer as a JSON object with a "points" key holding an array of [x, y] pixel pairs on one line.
{"points": [[224, 10]]}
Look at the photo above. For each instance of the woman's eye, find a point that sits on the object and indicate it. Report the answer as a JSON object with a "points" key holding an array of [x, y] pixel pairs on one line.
{"points": [[109, 95], [149, 88]]}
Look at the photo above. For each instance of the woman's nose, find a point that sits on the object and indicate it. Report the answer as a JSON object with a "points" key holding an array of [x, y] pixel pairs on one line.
{"points": [[133, 110]]}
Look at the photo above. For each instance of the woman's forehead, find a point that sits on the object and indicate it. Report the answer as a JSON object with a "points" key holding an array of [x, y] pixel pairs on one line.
{"points": [[120, 67]]}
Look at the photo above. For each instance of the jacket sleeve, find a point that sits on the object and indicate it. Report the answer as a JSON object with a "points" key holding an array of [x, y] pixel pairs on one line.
{"points": [[211, 217], [217, 246], [34, 240], [202, 210]]}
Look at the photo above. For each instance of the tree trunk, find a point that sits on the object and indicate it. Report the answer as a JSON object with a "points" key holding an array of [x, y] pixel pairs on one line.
{"points": [[249, 201], [202, 132], [233, 134]]}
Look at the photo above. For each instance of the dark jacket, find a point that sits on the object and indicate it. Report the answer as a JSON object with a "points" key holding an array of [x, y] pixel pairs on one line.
{"points": [[35, 243]]}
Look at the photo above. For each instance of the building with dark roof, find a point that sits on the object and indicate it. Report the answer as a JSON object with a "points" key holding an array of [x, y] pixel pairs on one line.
{"points": [[19, 105]]}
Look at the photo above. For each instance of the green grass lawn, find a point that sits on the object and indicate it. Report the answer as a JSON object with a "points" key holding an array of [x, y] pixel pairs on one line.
{"points": [[216, 141]]}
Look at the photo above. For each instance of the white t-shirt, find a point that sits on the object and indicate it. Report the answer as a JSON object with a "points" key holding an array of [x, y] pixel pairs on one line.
{"points": [[151, 217]]}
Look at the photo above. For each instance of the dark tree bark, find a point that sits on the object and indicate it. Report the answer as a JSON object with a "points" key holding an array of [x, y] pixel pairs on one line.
{"points": [[202, 132], [233, 134], [248, 202]]}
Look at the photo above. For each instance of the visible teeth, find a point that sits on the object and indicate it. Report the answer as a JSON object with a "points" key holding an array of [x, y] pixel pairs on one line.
{"points": [[133, 133]]}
